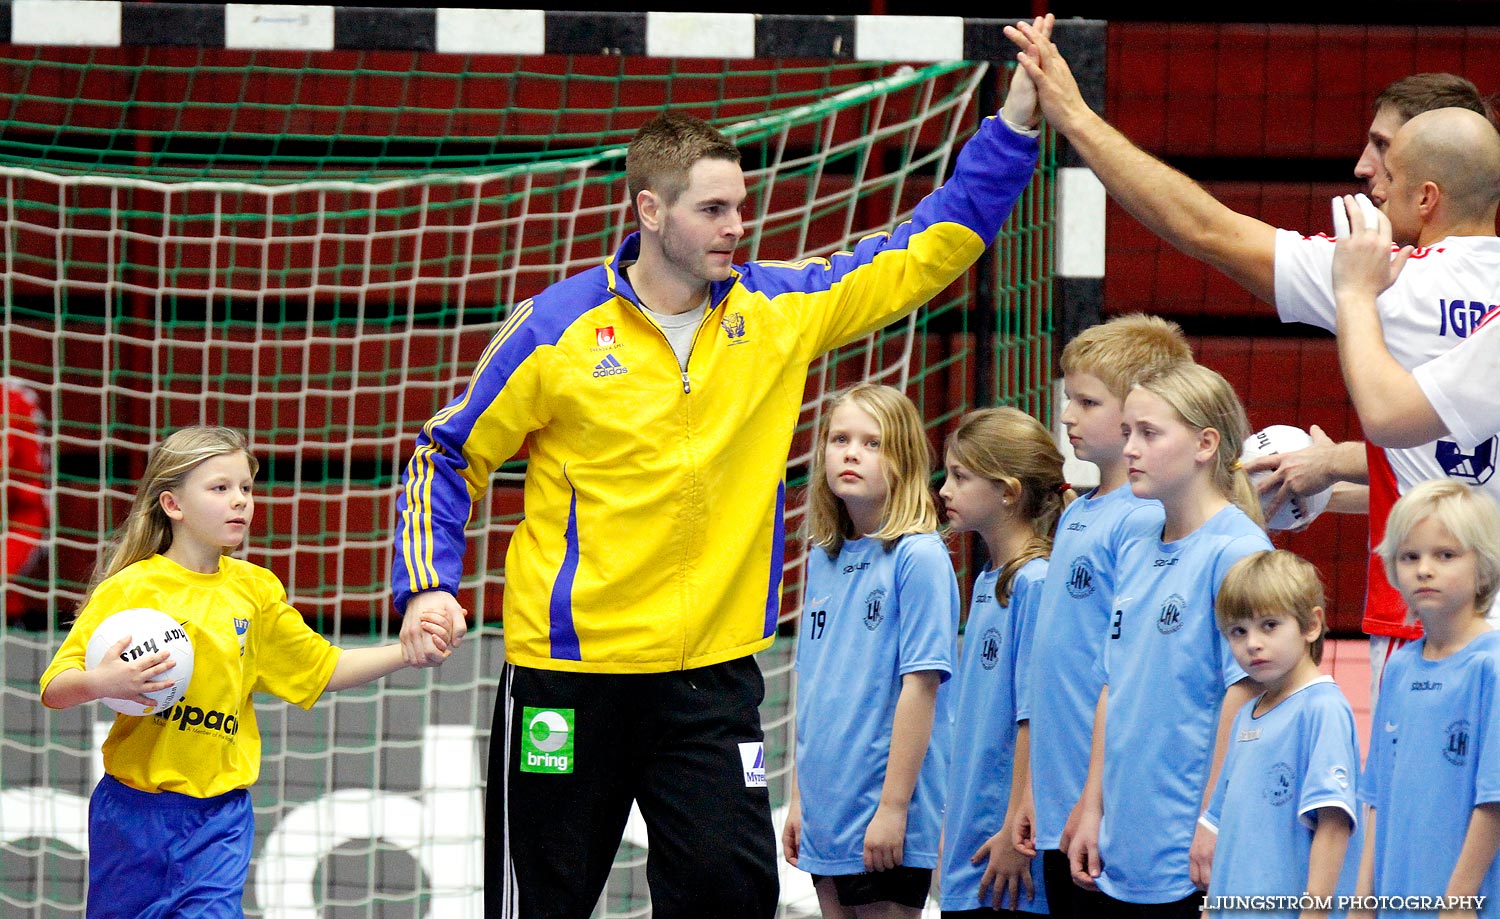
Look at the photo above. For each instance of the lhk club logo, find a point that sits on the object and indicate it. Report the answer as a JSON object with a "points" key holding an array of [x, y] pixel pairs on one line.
{"points": [[547, 740]]}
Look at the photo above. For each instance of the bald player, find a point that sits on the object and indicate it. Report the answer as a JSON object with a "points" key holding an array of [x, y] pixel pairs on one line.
{"points": [[1450, 281], [1452, 395], [1311, 470]]}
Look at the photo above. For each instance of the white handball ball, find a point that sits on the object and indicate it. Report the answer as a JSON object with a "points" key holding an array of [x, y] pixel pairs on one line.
{"points": [[150, 631], [1284, 438]]}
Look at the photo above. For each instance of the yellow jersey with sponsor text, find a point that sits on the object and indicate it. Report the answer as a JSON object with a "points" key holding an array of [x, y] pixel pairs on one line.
{"points": [[246, 639]]}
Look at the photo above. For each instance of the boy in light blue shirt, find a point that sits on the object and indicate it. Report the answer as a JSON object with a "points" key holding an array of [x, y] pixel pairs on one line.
{"points": [[1099, 368], [1432, 779], [1284, 807]]}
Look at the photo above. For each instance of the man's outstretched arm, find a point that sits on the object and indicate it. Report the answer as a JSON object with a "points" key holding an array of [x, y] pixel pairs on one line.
{"points": [[1169, 203]]}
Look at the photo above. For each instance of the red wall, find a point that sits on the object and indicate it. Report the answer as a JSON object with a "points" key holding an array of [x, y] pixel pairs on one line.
{"points": [[1289, 104]]}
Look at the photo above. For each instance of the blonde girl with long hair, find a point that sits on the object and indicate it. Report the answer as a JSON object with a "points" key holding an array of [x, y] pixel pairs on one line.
{"points": [[1172, 685], [877, 641], [173, 802], [1005, 483]]}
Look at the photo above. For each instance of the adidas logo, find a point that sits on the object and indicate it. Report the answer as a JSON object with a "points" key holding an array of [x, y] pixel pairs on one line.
{"points": [[609, 367]]}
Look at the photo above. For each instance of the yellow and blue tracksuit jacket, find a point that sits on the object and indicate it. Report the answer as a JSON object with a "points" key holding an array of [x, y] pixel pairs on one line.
{"points": [[653, 531]]}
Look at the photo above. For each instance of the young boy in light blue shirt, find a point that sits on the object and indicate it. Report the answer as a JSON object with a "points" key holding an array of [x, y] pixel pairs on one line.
{"points": [[1099, 368], [1432, 778], [1284, 807]]}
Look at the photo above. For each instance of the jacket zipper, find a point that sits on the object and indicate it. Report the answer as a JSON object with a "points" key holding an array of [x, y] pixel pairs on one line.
{"points": [[687, 389]]}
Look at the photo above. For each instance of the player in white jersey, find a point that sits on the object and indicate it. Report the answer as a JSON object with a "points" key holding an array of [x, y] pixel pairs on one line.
{"points": [[1460, 385], [1440, 198], [1285, 805], [1451, 396], [1325, 464], [877, 644], [1442, 185], [1005, 483]]}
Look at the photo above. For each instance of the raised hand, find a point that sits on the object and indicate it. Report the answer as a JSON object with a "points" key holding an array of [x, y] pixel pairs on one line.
{"points": [[1020, 107], [1363, 264], [1056, 90]]}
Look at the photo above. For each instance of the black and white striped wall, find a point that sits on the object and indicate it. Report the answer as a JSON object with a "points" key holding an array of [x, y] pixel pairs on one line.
{"points": [[488, 31]]}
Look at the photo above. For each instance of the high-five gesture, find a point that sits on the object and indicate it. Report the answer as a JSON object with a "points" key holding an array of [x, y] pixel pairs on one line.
{"points": [[1047, 73], [1020, 107]]}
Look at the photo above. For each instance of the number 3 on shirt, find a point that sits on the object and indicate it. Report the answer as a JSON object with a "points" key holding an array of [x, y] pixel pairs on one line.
{"points": [[1114, 625]]}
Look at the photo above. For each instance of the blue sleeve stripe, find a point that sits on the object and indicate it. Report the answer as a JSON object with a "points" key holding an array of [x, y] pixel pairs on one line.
{"points": [[564, 634], [778, 549], [990, 172], [416, 518], [816, 275]]}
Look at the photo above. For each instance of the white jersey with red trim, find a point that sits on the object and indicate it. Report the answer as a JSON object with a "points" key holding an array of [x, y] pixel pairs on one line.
{"points": [[1439, 299], [1461, 384]]}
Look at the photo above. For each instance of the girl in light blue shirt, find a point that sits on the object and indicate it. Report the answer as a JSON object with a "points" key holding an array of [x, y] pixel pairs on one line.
{"points": [[877, 642], [1005, 484], [1171, 684]]}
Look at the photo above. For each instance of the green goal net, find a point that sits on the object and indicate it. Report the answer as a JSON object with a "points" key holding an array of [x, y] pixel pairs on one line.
{"points": [[314, 247]]}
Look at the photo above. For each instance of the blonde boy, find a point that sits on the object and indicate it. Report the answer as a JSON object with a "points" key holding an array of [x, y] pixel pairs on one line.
{"points": [[1432, 778], [1284, 807], [1099, 368]]}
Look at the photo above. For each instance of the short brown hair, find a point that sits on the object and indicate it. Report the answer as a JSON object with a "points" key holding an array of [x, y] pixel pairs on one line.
{"points": [[1125, 350], [666, 147], [1273, 582], [1424, 92]]}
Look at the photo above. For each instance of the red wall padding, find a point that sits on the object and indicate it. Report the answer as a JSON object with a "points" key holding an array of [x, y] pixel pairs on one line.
{"points": [[1299, 93]]}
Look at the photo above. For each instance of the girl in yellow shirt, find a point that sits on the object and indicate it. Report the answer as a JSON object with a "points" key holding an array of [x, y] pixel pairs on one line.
{"points": [[170, 825]]}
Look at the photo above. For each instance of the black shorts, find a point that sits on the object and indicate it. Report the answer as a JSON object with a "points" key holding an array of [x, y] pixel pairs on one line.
{"points": [[1065, 899], [571, 751], [903, 885], [1189, 907]]}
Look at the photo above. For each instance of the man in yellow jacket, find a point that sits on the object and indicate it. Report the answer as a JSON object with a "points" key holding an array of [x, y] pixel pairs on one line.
{"points": [[656, 395]]}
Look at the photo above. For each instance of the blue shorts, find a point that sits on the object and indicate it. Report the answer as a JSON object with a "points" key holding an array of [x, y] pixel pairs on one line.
{"points": [[154, 855]]}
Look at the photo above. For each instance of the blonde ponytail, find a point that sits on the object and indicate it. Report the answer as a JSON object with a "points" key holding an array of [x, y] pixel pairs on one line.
{"points": [[1204, 399]]}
